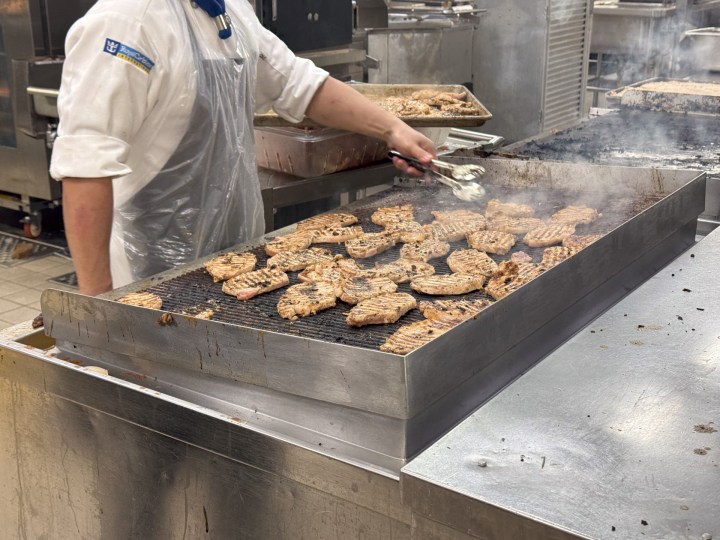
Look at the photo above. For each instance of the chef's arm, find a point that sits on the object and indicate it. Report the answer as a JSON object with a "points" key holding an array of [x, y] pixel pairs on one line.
{"points": [[338, 105], [88, 211]]}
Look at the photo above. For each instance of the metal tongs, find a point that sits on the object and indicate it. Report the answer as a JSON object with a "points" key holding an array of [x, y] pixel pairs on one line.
{"points": [[466, 191]]}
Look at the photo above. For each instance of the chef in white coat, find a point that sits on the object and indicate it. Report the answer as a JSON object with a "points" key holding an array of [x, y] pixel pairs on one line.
{"points": [[155, 144]]}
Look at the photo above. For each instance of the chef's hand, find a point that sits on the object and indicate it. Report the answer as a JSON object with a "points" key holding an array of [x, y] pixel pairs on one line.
{"points": [[412, 143]]}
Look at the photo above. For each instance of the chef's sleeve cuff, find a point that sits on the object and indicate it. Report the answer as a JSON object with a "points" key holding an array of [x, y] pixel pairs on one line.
{"points": [[88, 156]]}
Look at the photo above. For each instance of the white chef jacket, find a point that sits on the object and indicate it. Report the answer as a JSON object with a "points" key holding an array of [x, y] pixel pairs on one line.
{"points": [[128, 75]]}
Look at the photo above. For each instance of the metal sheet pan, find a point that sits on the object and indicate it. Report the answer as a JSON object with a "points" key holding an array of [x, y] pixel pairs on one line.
{"points": [[376, 92], [637, 96]]}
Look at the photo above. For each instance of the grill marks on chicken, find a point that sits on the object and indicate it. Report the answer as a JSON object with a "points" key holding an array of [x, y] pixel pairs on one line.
{"points": [[412, 336], [246, 286], [327, 221], [383, 309], [512, 225], [521, 257], [142, 299], [496, 208], [334, 271], [471, 261], [360, 288], [548, 235], [465, 216], [337, 234], [575, 215], [578, 242], [229, 265], [447, 284], [407, 231], [306, 299], [401, 271], [491, 241], [555, 255], [452, 231], [296, 241], [369, 245], [453, 311], [511, 276], [424, 251], [291, 261], [392, 214]]}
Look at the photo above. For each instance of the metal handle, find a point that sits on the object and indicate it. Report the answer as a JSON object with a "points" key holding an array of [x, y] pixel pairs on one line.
{"points": [[412, 161]]}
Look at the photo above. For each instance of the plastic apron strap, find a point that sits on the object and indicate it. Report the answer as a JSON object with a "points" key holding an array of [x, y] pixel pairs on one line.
{"points": [[207, 197]]}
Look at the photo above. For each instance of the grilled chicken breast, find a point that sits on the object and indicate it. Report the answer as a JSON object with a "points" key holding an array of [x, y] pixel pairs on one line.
{"points": [[548, 235], [555, 255], [392, 214], [296, 241], [369, 244], [424, 251], [453, 311], [306, 299], [521, 257], [291, 261], [142, 299], [575, 215], [471, 261], [452, 231], [578, 242], [447, 284], [383, 309], [334, 272], [407, 231], [412, 336], [511, 276], [497, 208], [513, 225], [401, 271], [326, 221], [246, 286], [337, 234], [229, 265], [360, 288], [452, 216], [491, 241]]}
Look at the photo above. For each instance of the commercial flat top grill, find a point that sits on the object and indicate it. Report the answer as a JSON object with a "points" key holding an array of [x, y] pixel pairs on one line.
{"points": [[319, 381]]}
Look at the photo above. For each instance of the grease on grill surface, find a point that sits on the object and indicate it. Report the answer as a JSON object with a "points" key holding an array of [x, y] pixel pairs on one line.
{"points": [[196, 288]]}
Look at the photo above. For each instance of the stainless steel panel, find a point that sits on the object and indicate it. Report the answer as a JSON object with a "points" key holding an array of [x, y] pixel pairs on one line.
{"points": [[615, 434]]}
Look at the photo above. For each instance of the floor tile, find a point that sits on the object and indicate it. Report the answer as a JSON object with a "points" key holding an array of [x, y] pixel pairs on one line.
{"points": [[20, 314], [7, 305], [26, 297], [7, 287]]}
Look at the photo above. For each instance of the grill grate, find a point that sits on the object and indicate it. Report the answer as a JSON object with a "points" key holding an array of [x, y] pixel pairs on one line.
{"points": [[194, 291]]}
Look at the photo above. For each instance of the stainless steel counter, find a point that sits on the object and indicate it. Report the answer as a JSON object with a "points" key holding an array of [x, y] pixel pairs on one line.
{"points": [[614, 435]]}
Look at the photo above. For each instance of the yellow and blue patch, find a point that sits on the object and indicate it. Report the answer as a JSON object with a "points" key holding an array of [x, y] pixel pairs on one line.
{"points": [[136, 58]]}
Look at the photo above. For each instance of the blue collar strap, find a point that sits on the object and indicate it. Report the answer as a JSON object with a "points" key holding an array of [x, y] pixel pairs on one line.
{"points": [[216, 10]]}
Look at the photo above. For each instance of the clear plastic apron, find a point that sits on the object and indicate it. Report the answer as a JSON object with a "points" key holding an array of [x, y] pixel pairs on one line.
{"points": [[207, 196]]}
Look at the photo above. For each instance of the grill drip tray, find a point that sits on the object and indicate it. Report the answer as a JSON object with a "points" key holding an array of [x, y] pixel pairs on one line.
{"points": [[322, 384]]}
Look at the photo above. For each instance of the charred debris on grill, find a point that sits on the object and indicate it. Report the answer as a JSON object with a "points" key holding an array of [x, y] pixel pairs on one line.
{"points": [[195, 289]]}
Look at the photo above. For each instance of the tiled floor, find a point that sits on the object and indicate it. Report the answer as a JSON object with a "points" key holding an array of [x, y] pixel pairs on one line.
{"points": [[21, 286]]}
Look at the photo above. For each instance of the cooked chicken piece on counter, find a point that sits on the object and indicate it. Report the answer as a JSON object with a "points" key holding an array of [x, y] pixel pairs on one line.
{"points": [[575, 215], [360, 288], [229, 265], [383, 309], [296, 241], [578, 242], [407, 231], [424, 251], [246, 286], [447, 284], [392, 214], [521, 257], [452, 231], [306, 299], [337, 234], [511, 276], [548, 235], [142, 299], [514, 225], [327, 221], [555, 255], [369, 244], [401, 270], [497, 208], [471, 261], [491, 241], [291, 261], [450, 216], [411, 336], [453, 311]]}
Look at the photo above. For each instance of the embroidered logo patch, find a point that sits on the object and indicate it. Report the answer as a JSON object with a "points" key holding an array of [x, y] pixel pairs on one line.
{"points": [[136, 58]]}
